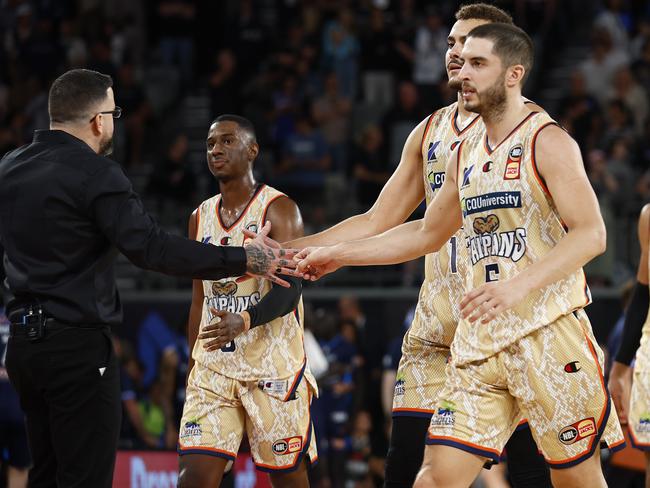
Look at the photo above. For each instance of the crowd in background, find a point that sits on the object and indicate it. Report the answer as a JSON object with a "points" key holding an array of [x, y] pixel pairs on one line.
{"points": [[333, 88]]}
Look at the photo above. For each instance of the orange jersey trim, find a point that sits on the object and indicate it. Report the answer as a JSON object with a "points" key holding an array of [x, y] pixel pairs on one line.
{"points": [[454, 123], [210, 449], [486, 145], [538, 177], [464, 443], [241, 215]]}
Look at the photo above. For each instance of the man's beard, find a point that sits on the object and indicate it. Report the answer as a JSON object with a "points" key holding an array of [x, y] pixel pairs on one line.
{"points": [[455, 84], [492, 102], [106, 147]]}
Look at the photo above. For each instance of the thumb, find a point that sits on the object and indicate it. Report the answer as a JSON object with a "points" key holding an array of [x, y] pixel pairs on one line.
{"points": [[249, 233]]}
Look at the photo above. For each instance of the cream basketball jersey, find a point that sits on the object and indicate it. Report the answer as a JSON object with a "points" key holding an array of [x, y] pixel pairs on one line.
{"points": [[510, 222], [643, 354], [437, 311], [271, 351]]}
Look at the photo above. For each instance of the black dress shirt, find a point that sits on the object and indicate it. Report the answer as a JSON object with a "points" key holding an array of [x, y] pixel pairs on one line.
{"points": [[65, 212]]}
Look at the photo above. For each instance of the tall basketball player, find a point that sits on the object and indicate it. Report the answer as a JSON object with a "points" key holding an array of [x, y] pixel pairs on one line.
{"points": [[248, 370], [421, 373], [530, 220]]}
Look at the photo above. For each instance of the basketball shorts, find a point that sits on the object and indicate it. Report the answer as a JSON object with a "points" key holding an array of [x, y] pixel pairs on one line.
{"points": [[639, 416], [420, 377], [275, 415], [553, 377]]}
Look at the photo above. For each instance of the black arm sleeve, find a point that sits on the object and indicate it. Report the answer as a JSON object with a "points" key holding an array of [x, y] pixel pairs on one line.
{"points": [[277, 302], [635, 317], [120, 215]]}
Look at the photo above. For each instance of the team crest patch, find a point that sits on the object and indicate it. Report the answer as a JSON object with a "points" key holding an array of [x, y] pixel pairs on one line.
{"points": [[287, 446], [513, 164], [445, 415], [191, 429], [399, 386], [486, 225], [644, 423], [227, 288], [575, 432]]}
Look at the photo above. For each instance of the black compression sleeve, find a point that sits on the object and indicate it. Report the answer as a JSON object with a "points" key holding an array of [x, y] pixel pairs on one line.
{"points": [[277, 302], [634, 319]]}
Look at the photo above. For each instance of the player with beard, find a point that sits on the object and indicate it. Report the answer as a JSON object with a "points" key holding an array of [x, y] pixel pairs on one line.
{"points": [[425, 349], [530, 220], [248, 372]]}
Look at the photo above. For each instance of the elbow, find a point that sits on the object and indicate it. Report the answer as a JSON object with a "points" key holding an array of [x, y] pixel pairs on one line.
{"points": [[599, 240]]}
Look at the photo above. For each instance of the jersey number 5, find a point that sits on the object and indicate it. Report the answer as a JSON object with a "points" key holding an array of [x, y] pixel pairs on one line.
{"points": [[491, 272]]}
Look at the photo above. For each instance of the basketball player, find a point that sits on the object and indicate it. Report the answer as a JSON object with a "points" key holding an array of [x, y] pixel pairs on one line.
{"points": [[425, 349], [248, 369], [636, 413], [530, 222]]}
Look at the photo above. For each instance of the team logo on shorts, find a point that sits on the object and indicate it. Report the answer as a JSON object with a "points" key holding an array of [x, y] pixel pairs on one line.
{"points": [[578, 431], [191, 429], [644, 423], [399, 386], [287, 446], [444, 416]]}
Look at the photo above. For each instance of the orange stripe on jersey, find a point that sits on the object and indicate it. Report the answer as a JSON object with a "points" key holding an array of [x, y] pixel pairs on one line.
{"points": [[426, 131], [518, 126], [538, 177], [266, 209], [241, 215], [460, 146], [198, 222], [208, 449], [464, 443]]}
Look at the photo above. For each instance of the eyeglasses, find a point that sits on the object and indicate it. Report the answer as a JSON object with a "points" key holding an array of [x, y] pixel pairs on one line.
{"points": [[116, 113]]}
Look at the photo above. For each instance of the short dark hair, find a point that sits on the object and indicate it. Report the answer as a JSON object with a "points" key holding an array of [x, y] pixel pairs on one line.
{"points": [[242, 122], [75, 93], [483, 11], [511, 44]]}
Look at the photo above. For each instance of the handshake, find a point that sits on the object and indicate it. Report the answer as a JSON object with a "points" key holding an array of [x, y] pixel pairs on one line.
{"points": [[266, 258]]}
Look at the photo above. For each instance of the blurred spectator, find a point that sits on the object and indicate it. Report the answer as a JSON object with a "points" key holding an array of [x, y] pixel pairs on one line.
{"points": [[430, 50], [615, 20], [224, 84], [626, 89], [620, 124], [331, 113], [369, 166], [341, 51], [136, 112], [398, 123], [176, 20], [248, 37], [578, 109], [172, 178], [641, 67], [74, 46], [305, 162], [337, 396], [286, 105], [100, 58], [602, 64], [357, 467], [378, 61]]}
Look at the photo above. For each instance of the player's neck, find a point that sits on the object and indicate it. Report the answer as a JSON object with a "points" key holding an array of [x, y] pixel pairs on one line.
{"points": [[500, 123], [237, 192]]}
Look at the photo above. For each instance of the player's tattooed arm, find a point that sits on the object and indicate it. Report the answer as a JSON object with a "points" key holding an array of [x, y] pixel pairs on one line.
{"points": [[266, 259]]}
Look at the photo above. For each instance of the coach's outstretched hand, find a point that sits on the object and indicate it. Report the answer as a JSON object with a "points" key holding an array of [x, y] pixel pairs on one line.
{"points": [[315, 262], [265, 258]]}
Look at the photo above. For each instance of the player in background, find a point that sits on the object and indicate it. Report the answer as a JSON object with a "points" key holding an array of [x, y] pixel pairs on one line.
{"points": [[634, 410], [531, 221], [248, 372], [425, 349]]}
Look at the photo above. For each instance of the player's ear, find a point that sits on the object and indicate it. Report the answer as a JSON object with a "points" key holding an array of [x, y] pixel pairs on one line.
{"points": [[253, 150], [515, 74]]}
